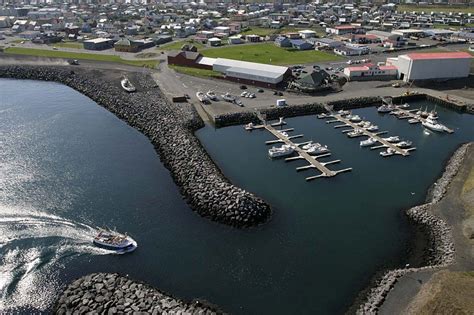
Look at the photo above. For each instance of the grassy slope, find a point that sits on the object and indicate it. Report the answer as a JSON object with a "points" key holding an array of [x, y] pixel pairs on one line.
{"points": [[447, 292], [74, 55], [269, 53], [74, 45], [177, 45], [195, 71], [434, 8]]}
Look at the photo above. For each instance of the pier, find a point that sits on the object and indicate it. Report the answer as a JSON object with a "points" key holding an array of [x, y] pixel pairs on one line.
{"points": [[302, 154], [376, 135]]}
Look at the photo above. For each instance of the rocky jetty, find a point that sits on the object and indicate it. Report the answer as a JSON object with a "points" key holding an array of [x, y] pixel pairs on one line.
{"points": [[105, 293], [441, 244], [170, 127]]}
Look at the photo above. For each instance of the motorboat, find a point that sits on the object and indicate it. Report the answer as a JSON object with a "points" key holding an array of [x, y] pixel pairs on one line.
{"points": [[322, 115], [355, 118], [355, 133], [309, 145], [385, 108], [317, 148], [249, 126], [433, 125], [111, 240], [433, 115], [228, 98], [423, 113], [284, 150], [392, 139], [283, 133], [127, 85], [244, 94], [404, 144], [368, 142], [343, 112], [406, 105], [413, 121], [211, 95], [201, 96], [388, 152], [372, 128]]}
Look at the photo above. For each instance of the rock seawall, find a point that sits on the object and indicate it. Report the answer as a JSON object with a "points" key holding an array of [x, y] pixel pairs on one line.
{"points": [[104, 293], [439, 233], [170, 127]]}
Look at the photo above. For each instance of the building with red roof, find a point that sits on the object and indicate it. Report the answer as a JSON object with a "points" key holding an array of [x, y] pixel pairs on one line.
{"points": [[370, 71], [432, 66]]}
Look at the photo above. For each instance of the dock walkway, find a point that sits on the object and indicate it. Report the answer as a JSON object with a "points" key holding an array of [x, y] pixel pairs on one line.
{"points": [[398, 150]]}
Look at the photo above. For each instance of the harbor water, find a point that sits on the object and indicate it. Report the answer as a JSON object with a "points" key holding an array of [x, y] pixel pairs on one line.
{"points": [[68, 166]]}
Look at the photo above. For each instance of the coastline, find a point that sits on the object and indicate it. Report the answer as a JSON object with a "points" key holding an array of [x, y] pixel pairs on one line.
{"points": [[439, 233], [170, 128]]}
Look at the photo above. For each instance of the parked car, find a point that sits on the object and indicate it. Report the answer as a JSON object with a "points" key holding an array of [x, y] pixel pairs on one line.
{"points": [[243, 87], [260, 91], [73, 62]]}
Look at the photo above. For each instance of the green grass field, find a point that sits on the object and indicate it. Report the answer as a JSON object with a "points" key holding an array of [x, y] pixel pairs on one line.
{"points": [[195, 71], [73, 55], [270, 54], [286, 29], [434, 8], [259, 31], [75, 45]]}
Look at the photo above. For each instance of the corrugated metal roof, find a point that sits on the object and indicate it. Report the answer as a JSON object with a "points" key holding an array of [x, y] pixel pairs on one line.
{"points": [[250, 66], [440, 55], [256, 72], [206, 61]]}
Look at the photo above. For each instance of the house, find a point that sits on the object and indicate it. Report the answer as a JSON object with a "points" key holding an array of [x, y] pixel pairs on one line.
{"points": [[343, 29], [214, 41], [301, 44], [351, 51], [98, 44], [305, 34], [234, 40], [371, 72], [162, 39], [282, 41], [4, 22], [253, 38], [325, 42], [188, 59]]}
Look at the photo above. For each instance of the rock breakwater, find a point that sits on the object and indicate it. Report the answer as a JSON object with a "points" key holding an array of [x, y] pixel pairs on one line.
{"points": [[104, 293], [170, 128], [441, 244]]}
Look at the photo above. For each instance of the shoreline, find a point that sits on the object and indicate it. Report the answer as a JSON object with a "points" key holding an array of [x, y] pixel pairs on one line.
{"points": [[437, 231], [170, 128]]}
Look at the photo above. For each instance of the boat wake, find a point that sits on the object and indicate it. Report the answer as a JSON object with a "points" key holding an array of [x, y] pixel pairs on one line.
{"points": [[34, 247]]}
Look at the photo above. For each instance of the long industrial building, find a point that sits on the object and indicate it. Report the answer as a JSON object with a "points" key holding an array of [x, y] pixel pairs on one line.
{"points": [[432, 66]]}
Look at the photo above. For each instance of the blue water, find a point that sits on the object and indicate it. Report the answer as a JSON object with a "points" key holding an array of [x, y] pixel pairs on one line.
{"points": [[67, 166]]}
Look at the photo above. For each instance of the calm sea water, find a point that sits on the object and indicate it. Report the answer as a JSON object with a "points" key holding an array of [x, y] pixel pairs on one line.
{"points": [[67, 166]]}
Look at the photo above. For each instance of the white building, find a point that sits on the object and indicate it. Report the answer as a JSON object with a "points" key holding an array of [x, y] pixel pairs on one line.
{"points": [[370, 71], [426, 66], [305, 34]]}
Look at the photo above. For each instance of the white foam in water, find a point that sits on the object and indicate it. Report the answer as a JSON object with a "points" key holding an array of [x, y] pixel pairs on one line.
{"points": [[34, 246]]}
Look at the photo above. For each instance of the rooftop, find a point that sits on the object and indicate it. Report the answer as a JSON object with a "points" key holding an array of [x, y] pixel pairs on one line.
{"points": [[439, 55]]}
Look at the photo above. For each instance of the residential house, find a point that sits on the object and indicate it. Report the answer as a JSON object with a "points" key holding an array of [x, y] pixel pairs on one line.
{"points": [[282, 41], [301, 44]]}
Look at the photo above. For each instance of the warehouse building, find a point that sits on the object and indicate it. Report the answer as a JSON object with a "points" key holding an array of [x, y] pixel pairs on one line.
{"points": [[370, 72], [98, 44], [432, 66]]}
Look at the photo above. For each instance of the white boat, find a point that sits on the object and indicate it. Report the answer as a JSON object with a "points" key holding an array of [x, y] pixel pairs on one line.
{"points": [[211, 95], [284, 150], [127, 85], [343, 112], [413, 121], [389, 152], [283, 133], [317, 148], [433, 125], [372, 128], [406, 105], [355, 133], [433, 115], [355, 118], [117, 242], [249, 126], [392, 139], [202, 97], [368, 142], [322, 115], [404, 144], [228, 98], [385, 108]]}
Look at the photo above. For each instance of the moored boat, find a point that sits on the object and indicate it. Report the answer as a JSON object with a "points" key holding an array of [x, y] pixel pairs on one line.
{"points": [[284, 150], [249, 126], [413, 120], [202, 97], [372, 128], [211, 95], [355, 133], [392, 139], [433, 125], [322, 115], [388, 152], [385, 108], [111, 240], [315, 148], [355, 118], [368, 142], [404, 144], [127, 85]]}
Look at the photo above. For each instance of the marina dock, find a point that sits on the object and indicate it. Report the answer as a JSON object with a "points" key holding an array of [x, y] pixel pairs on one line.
{"points": [[385, 143], [302, 154]]}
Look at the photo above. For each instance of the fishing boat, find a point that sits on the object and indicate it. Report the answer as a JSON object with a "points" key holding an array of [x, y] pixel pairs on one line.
{"points": [[368, 142], [111, 240], [127, 85], [249, 126], [372, 128], [211, 95], [202, 97], [284, 150], [392, 139], [385, 108], [388, 152], [343, 112], [433, 115], [355, 133], [317, 148], [404, 144], [433, 125], [355, 118], [423, 113], [413, 121], [228, 98]]}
